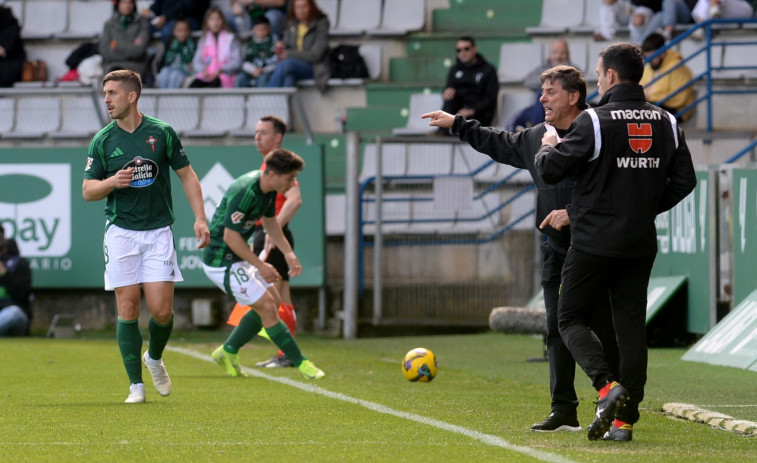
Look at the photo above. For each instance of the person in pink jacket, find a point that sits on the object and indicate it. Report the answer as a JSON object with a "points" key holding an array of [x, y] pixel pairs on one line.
{"points": [[219, 54]]}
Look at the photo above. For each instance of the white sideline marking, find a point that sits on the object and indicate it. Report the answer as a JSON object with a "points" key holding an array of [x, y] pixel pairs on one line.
{"points": [[485, 438]]}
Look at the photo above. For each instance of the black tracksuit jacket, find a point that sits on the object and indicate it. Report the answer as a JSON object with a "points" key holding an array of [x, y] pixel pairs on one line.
{"points": [[630, 162], [519, 150]]}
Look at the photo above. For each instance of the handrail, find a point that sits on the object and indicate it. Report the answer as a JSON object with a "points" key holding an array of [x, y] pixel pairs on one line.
{"points": [[706, 76]]}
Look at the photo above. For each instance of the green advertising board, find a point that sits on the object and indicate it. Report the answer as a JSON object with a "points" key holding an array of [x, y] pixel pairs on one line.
{"points": [[41, 206], [733, 341], [744, 233], [684, 237]]}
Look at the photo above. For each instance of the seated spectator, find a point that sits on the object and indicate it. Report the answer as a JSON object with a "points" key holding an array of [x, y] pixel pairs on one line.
{"points": [[241, 14], [534, 114], [304, 51], [726, 9], [218, 54], [123, 44], [177, 61], [642, 16], [472, 85], [165, 12], [670, 82], [260, 57], [12, 54], [676, 12], [15, 289]]}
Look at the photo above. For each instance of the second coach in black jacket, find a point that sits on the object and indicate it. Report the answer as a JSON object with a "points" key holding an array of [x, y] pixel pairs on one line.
{"points": [[630, 162], [564, 98]]}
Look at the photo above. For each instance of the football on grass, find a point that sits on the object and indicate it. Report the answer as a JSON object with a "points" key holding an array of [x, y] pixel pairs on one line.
{"points": [[420, 365]]}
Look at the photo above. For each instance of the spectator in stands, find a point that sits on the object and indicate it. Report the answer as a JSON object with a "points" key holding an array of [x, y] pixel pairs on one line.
{"points": [[177, 61], [642, 17], [668, 83], [304, 51], [218, 54], [241, 14], [260, 56], [472, 85], [15, 289], [12, 54], [675, 12], [559, 54], [726, 9], [165, 12], [123, 44]]}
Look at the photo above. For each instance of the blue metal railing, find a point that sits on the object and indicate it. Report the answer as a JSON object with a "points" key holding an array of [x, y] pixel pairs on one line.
{"points": [[706, 28], [496, 234]]}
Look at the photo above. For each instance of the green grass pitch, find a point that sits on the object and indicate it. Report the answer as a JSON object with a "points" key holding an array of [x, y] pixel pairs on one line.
{"points": [[62, 401]]}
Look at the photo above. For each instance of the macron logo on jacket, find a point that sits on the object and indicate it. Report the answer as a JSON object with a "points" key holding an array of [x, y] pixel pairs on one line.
{"points": [[640, 136]]}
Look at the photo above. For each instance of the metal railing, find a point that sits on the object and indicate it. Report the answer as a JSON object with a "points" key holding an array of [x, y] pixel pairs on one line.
{"points": [[706, 29]]}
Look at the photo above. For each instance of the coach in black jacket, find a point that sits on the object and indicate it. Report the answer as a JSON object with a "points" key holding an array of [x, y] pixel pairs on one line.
{"points": [[564, 98], [630, 162]]}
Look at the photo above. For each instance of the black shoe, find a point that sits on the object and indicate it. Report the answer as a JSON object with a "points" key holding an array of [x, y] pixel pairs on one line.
{"points": [[557, 421], [621, 434], [277, 361], [615, 399]]}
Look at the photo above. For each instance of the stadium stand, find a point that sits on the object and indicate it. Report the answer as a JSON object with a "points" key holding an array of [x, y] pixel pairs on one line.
{"points": [[220, 115], [399, 17], [44, 19], [331, 9], [516, 59], [86, 19], [420, 103], [557, 16], [356, 17], [78, 120], [36, 116]]}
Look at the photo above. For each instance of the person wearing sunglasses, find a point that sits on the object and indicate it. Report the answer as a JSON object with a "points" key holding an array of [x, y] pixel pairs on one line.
{"points": [[472, 85]]}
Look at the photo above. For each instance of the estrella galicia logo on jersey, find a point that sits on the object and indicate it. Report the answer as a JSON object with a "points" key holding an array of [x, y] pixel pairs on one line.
{"points": [[640, 137], [151, 141], [237, 217], [89, 164], [145, 172]]}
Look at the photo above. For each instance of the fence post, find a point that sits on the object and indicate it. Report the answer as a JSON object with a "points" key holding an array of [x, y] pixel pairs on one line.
{"points": [[350, 304]]}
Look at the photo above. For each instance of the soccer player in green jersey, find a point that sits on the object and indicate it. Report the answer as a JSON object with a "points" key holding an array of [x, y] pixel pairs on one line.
{"points": [[238, 271], [129, 163]]}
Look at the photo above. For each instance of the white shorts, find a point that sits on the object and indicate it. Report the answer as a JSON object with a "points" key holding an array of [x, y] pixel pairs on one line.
{"points": [[241, 280], [139, 256]]}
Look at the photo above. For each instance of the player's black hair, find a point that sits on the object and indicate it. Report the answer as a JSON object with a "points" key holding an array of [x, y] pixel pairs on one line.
{"points": [[626, 59], [571, 80], [653, 42], [279, 126], [467, 38], [283, 161]]}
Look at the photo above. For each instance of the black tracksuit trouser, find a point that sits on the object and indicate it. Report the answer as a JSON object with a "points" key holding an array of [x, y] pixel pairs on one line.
{"points": [[562, 367], [586, 278]]}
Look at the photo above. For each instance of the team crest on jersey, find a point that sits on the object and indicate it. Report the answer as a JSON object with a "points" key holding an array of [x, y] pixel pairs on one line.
{"points": [[151, 141], [640, 137], [248, 224], [237, 217], [145, 172]]}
